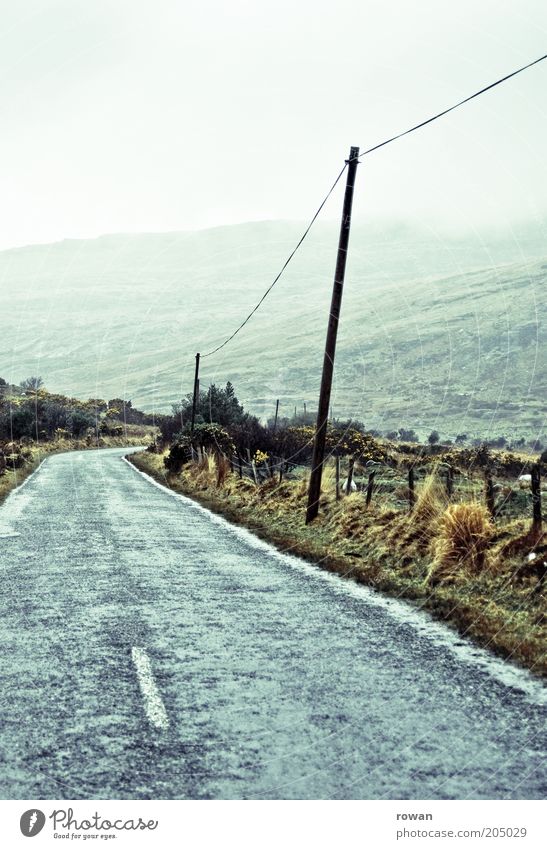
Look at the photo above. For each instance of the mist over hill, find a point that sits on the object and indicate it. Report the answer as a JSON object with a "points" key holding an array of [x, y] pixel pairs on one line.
{"points": [[445, 333]]}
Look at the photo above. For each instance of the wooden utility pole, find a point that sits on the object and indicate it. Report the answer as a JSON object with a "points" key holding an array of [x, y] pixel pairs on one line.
{"points": [[314, 491], [275, 419], [196, 395]]}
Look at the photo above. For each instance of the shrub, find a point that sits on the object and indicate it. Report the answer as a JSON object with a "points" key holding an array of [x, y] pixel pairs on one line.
{"points": [[179, 454], [213, 436]]}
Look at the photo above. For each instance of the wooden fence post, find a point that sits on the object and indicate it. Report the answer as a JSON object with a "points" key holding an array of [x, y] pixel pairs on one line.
{"points": [[536, 497], [218, 459], [240, 464], [489, 494], [281, 464], [450, 481], [337, 473], [411, 491], [370, 487], [350, 475]]}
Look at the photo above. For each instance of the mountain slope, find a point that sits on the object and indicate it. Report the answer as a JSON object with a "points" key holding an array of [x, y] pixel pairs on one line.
{"points": [[446, 334]]}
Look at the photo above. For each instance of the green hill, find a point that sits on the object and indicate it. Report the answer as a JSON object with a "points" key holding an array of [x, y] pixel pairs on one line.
{"points": [[435, 333]]}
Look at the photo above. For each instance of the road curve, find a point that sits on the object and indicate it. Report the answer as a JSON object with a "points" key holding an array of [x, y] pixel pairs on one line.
{"points": [[150, 650]]}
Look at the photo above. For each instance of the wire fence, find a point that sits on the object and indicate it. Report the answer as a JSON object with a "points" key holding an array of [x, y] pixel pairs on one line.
{"points": [[398, 487]]}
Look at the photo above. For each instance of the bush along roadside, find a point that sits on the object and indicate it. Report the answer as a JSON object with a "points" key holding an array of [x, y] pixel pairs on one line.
{"points": [[446, 553]]}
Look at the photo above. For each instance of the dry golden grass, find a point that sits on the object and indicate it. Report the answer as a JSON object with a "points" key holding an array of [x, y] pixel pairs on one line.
{"points": [[461, 541], [430, 503]]}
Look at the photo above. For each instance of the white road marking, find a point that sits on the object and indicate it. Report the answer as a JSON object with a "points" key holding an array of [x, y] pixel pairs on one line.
{"points": [[153, 703]]}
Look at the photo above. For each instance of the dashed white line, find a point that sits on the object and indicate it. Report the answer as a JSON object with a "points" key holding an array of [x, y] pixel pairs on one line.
{"points": [[153, 703]]}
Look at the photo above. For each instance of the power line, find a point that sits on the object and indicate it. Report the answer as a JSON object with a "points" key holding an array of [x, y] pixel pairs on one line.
{"points": [[285, 264], [451, 108], [365, 153]]}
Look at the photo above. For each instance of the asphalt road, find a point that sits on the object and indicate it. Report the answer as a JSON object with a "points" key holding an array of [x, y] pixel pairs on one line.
{"points": [[149, 650]]}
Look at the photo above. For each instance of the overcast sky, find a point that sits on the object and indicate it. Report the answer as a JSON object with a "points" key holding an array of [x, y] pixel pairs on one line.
{"points": [[126, 115]]}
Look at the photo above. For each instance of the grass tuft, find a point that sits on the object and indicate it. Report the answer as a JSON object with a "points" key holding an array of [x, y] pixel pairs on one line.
{"points": [[464, 532]]}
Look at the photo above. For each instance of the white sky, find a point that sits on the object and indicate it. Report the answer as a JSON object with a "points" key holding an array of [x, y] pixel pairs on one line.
{"points": [[125, 115]]}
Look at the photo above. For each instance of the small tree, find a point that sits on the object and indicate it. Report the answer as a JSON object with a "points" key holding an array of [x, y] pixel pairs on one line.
{"points": [[79, 421], [31, 384], [433, 437], [407, 435]]}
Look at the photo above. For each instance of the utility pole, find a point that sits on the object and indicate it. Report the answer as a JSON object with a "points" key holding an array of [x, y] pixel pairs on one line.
{"points": [[275, 419], [314, 491], [196, 395]]}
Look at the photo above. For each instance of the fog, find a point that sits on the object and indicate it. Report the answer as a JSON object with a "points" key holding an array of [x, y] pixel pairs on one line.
{"points": [[127, 116]]}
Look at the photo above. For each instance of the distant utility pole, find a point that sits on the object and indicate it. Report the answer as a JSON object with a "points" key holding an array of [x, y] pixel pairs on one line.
{"points": [[196, 395], [276, 412], [314, 491]]}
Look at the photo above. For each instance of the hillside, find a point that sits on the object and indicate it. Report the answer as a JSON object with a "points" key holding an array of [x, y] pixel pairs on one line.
{"points": [[445, 334]]}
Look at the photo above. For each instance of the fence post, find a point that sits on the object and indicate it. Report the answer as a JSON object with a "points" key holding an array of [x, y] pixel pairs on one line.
{"points": [[450, 481], [370, 487], [350, 475], [218, 459], [411, 490], [281, 464], [536, 496], [337, 473], [240, 465], [489, 494], [253, 467]]}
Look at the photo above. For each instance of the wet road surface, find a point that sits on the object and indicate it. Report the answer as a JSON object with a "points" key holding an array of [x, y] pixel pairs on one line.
{"points": [[149, 650]]}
